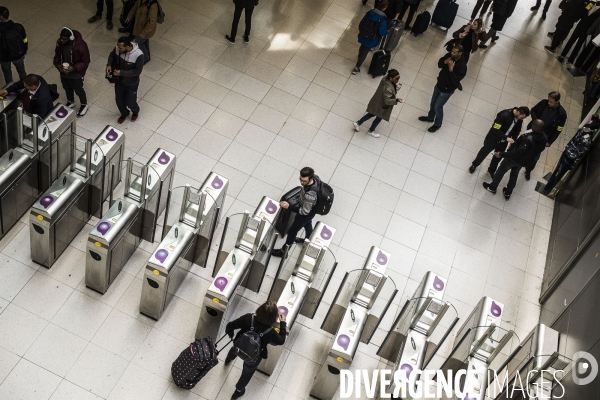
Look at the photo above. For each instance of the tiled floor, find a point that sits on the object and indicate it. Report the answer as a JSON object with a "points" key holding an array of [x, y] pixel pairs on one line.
{"points": [[255, 113]]}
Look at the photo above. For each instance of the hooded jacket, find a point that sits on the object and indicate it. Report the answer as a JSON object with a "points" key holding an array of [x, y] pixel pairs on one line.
{"points": [[8, 26], [526, 148], [376, 16], [41, 103], [80, 54], [130, 64], [144, 18]]}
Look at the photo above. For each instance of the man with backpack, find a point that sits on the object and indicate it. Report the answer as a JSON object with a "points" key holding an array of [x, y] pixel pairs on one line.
{"points": [[371, 29], [250, 344], [37, 99], [13, 46], [71, 59], [144, 15], [520, 154], [304, 209]]}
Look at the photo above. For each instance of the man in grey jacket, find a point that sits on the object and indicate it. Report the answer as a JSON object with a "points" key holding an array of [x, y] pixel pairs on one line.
{"points": [[304, 209]]}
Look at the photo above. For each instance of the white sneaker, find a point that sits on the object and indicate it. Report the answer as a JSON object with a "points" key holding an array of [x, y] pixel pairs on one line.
{"points": [[356, 127], [372, 133], [82, 110], [70, 104]]}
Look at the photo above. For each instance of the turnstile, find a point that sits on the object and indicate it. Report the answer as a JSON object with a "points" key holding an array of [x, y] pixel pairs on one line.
{"points": [[58, 216], [480, 345], [116, 236], [244, 266], [531, 368], [358, 307], [187, 242], [302, 278], [420, 329], [33, 161], [8, 104]]}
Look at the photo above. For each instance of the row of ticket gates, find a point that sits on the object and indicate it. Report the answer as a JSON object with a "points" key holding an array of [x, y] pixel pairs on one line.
{"points": [[64, 179]]}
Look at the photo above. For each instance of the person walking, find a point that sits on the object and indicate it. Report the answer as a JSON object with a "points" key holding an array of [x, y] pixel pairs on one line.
{"points": [[524, 149], [125, 64], [304, 209], [37, 99], [144, 15], [100, 9], [453, 70], [538, 4], [572, 11], [505, 130], [501, 13], [412, 6], [480, 4], [383, 101], [589, 54], [554, 116], [262, 323], [579, 36], [71, 59], [372, 27], [469, 36], [13, 46], [248, 7], [393, 9]]}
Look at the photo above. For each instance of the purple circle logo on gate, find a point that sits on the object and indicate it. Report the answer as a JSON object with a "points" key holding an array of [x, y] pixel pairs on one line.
{"points": [[221, 282], [62, 112], [111, 136], [103, 227], [164, 158], [161, 255], [326, 233], [217, 183], [271, 207], [283, 310], [343, 341], [495, 309], [470, 398], [381, 258], [46, 201], [407, 368], [438, 284]]}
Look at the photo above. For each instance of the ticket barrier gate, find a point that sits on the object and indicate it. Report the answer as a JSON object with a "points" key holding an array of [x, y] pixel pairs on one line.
{"points": [[480, 346], [58, 216], [187, 242], [116, 236], [358, 307], [8, 104], [532, 367], [244, 266], [422, 326], [302, 278], [33, 162]]}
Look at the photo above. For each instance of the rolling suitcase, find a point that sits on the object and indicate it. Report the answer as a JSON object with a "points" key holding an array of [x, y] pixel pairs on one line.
{"points": [[421, 23], [194, 362], [444, 13], [286, 217], [394, 33], [380, 61]]}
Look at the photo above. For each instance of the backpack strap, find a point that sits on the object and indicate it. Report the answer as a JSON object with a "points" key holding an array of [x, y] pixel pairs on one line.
{"points": [[265, 332], [252, 323]]}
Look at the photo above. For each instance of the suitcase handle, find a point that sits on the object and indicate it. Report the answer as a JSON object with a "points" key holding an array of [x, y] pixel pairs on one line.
{"points": [[225, 345]]}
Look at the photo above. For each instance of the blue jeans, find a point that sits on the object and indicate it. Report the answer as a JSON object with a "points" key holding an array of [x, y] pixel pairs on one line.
{"points": [[144, 45], [367, 117], [126, 98], [564, 164], [436, 108], [7, 71]]}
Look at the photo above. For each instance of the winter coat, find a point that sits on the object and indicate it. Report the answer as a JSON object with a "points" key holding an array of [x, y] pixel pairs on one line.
{"points": [[551, 128], [384, 100], [144, 16], [374, 15], [80, 54], [526, 148], [275, 337], [41, 103], [130, 64], [503, 9], [475, 38], [572, 11], [10, 25]]}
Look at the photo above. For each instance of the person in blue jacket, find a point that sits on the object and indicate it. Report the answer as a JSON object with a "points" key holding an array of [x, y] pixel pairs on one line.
{"points": [[371, 29]]}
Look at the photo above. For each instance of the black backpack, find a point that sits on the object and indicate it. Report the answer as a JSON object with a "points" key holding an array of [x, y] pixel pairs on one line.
{"points": [[12, 43], [248, 345], [369, 28], [194, 362], [324, 199]]}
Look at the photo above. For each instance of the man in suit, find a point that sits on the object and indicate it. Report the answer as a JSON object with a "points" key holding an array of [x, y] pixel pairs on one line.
{"points": [[37, 99]]}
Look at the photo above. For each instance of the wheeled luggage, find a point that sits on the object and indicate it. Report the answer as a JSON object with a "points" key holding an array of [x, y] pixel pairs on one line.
{"points": [[194, 362], [380, 62], [444, 13], [421, 23], [286, 216], [394, 33]]}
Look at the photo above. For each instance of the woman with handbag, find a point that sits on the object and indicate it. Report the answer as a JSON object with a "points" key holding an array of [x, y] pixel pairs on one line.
{"points": [[468, 36], [382, 102]]}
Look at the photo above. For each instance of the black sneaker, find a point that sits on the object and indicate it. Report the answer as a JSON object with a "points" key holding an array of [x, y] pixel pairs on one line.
{"points": [[483, 46], [535, 8], [425, 119], [506, 195], [472, 169], [277, 253], [527, 175], [246, 39], [109, 24], [495, 38], [229, 39], [94, 18], [433, 128], [355, 71], [70, 104], [489, 188], [237, 395], [82, 110], [299, 240]]}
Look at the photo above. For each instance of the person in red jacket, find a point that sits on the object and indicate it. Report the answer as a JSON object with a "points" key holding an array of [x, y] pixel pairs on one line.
{"points": [[71, 59]]}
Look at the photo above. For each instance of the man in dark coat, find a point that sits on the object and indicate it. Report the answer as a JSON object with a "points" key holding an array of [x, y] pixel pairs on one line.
{"points": [[554, 116], [519, 155], [37, 99], [13, 46], [248, 7], [503, 9], [572, 11], [71, 59], [579, 36], [506, 129]]}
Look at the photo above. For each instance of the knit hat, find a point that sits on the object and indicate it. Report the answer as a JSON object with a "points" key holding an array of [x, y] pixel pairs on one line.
{"points": [[65, 33]]}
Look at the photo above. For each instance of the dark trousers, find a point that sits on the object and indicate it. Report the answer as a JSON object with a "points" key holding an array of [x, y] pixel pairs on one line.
{"points": [[587, 57], [247, 371], [411, 13], [367, 117], [363, 52], [559, 36], [564, 164], [490, 143], [538, 3], [504, 167], [531, 166], [236, 19], [300, 221], [481, 4], [100, 8], [74, 86], [144, 45], [577, 40], [7, 71], [436, 107], [126, 98]]}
